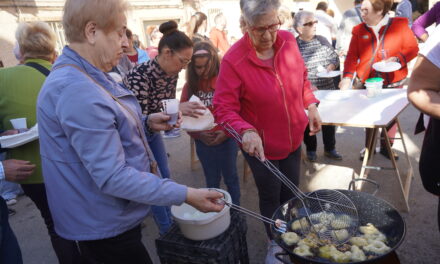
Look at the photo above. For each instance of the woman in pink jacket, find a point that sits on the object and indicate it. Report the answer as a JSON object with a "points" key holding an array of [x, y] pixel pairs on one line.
{"points": [[263, 92]]}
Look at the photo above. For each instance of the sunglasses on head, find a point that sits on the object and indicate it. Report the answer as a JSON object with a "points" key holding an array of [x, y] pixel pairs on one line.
{"points": [[310, 24]]}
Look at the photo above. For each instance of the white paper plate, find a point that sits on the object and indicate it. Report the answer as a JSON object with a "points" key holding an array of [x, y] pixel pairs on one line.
{"points": [[382, 66], [330, 74]]}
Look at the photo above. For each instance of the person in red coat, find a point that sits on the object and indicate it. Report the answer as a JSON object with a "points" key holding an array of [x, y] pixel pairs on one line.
{"points": [[379, 38], [262, 92]]}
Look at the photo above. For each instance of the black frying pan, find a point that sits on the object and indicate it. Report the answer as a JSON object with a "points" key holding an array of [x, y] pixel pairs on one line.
{"points": [[370, 210]]}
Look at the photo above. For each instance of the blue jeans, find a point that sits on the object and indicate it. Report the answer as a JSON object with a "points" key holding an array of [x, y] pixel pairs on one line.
{"points": [[161, 214], [218, 160], [10, 250]]}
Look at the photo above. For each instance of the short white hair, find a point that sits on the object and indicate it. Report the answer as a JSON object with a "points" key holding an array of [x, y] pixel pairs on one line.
{"points": [[300, 17], [253, 9]]}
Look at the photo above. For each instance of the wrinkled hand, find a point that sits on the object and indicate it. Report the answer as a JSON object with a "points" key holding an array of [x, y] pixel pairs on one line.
{"points": [[207, 137], [9, 132], [345, 84], [17, 170], [314, 120], [204, 200], [158, 121], [331, 67], [253, 145], [191, 109], [219, 137]]}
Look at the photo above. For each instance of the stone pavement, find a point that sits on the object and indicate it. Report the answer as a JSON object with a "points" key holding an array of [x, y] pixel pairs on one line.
{"points": [[421, 244]]}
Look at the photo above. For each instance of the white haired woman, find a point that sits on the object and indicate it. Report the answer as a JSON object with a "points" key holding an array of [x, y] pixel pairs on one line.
{"points": [[317, 53], [262, 79], [101, 176]]}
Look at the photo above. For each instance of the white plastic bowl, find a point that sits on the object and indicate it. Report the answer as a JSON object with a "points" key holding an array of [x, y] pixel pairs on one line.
{"points": [[206, 226]]}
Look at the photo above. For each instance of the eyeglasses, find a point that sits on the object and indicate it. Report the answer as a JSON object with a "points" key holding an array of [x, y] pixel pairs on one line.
{"points": [[310, 24], [271, 28], [182, 60]]}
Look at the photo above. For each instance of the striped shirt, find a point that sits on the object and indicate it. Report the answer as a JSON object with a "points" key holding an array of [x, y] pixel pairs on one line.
{"points": [[318, 52]]}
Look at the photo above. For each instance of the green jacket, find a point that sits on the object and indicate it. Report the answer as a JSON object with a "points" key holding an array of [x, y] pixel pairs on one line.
{"points": [[19, 89]]}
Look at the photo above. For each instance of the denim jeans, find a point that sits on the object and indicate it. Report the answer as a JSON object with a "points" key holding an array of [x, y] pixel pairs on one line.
{"points": [[161, 214], [218, 160]]}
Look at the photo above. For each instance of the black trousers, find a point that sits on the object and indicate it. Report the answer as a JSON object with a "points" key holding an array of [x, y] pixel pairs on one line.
{"points": [[9, 249], [124, 248], [66, 250], [328, 137], [271, 192]]}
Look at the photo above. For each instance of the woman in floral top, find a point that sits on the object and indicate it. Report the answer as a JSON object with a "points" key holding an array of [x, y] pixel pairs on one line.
{"points": [[155, 80]]}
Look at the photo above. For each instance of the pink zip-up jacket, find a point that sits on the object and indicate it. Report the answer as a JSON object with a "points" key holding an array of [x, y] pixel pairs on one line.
{"points": [[272, 101]]}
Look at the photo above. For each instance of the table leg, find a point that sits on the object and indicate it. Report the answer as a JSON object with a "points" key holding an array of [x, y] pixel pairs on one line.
{"points": [[404, 188], [369, 152]]}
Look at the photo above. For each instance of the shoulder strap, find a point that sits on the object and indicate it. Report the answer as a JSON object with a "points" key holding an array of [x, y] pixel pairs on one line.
{"points": [[153, 163], [379, 42], [38, 67], [358, 12]]}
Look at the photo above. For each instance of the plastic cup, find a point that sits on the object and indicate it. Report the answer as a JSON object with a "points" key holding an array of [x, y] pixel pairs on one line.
{"points": [[171, 107], [374, 86], [19, 123]]}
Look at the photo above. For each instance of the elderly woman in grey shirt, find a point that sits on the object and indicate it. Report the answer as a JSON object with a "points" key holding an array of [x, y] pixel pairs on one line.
{"points": [[318, 55]]}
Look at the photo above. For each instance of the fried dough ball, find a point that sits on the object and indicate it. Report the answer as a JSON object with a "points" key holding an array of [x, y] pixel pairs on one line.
{"points": [[377, 247], [340, 235], [368, 229], [301, 224], [375, 237], [290, 238], [330, 252], [303, 251], [311, 241], [358, 241], [341, 222], [357, 254]]}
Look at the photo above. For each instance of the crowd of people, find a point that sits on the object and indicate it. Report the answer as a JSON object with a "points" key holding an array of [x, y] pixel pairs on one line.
{"points": [[100, 165]]}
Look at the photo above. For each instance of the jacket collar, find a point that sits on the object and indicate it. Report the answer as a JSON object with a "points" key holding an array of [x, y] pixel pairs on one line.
{"points": [[252, 55], [69, 56]]}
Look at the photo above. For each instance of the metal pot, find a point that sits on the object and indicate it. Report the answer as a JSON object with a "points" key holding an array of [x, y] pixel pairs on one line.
{"points": [[370, 210]]}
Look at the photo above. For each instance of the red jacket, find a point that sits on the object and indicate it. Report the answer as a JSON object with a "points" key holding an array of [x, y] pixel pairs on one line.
{"points": [[399, 41], [251, 95]]}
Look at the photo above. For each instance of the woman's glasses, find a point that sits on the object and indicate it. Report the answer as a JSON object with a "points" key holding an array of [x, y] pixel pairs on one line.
{"points": [[262, 30], [310, 24], [182, 60]]}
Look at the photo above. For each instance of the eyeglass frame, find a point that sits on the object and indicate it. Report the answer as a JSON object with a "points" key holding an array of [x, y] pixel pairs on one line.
{"points": [[181, 59], [310, 24], [267, 28]]}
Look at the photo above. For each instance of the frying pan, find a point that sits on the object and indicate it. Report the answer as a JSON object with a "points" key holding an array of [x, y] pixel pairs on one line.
{"points": [[370, 210]]}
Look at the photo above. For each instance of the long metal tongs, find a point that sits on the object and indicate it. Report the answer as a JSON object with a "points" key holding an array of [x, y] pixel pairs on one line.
{"points": [[280, 225], [326, 202]]}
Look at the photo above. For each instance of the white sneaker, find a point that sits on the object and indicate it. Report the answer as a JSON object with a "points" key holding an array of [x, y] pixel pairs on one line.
{"points": [[272, 249], [11, 201]]}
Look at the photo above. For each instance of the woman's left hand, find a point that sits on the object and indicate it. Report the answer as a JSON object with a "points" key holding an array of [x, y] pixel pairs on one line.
{"points": [[331, 67], [192, 109], [159, 121], [314, 120]]}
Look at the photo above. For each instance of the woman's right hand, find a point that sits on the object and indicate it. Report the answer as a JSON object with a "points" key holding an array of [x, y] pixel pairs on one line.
{"points": [[253, 144], [204, 200], [345, 84], [191, 109]]}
